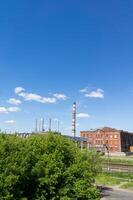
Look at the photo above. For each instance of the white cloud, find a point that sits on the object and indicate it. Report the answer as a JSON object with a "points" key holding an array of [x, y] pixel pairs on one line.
{"points": [[84, 90], [13, 109], [10, 122], [34, 97], [4, 110], [14, 101], [48, 100], [99, 93], [83, 115], [27, 96], [60, 96], [19, 90], [31, 96], [22, 94]]}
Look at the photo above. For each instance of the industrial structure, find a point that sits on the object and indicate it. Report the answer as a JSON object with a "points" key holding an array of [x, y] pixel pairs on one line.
{"points": [[50, 124], [106, 140], [82, 142], [74, 119], [109, 139], [39, 125]]}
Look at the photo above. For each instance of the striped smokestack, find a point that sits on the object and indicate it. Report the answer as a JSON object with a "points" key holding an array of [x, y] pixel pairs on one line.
{"points": [[74, 119]]}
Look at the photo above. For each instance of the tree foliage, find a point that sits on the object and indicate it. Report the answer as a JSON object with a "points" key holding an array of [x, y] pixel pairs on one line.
{"points": [[48, 167]]}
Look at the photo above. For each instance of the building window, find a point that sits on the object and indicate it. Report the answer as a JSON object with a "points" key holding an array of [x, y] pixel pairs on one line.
{"points": [[115, 136]]}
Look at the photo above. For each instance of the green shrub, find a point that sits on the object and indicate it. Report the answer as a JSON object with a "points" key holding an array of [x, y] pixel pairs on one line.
{"points": [[46, 167]]}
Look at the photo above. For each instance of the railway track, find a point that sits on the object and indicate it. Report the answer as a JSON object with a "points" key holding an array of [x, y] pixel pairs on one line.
{"points": [[118, 167]]}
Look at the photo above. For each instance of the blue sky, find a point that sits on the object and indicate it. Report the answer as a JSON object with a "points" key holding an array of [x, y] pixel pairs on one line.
{"points": [[52, 50]]}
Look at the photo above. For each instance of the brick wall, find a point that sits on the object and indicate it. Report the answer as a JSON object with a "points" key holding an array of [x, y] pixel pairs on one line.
{"points": [[101, 137]]}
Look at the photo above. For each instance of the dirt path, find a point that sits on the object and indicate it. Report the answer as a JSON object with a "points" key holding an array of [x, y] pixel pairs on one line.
{"points": [[114, 193]]}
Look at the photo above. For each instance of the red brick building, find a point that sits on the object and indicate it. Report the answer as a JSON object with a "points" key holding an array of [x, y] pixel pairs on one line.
{"points": [[113, 139]]}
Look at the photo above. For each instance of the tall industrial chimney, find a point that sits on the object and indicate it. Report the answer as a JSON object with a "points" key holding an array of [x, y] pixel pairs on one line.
{"points": [[58, 126], [43, 129], [36, 126], [40, 124], [50, 121], [74, 119]]}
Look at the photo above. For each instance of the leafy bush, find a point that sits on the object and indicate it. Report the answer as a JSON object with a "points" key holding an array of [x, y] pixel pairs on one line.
{"points": [[48, 167]]}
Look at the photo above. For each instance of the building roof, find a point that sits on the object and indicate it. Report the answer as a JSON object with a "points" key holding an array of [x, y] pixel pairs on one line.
{"points": [[78, 139], [107, 129]]}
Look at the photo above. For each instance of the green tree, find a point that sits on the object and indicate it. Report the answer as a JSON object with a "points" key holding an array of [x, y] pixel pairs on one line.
{"points": [[46, 167]]}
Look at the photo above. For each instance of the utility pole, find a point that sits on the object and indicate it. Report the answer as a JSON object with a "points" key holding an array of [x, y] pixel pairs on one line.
{"points": [[108, 159], [107, 148], [74, 119]]}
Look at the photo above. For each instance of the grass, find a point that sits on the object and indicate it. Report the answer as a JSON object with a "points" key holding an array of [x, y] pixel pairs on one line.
{"points": [[113, 178], [106, 179], [119, 160], [120, 179], [128, 185], [122, 175]]}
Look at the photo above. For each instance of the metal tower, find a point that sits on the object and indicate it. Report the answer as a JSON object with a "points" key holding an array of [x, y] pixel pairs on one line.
{"points": [[43, 129], [36, 125], [40, 122], [58, 126], [50, 121], [74, 119]]}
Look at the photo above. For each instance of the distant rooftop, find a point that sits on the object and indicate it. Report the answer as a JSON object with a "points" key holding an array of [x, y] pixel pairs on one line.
{"points": [[107, 129], [78, 139]]}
